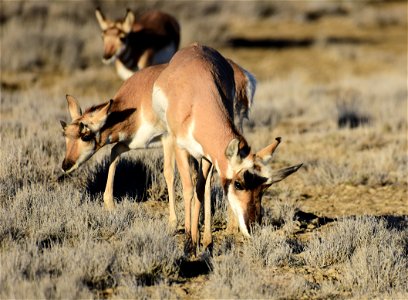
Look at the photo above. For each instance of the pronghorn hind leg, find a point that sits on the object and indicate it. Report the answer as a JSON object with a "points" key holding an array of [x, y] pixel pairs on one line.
{"points": [[169, 168], [207, 238], [117, 150]]}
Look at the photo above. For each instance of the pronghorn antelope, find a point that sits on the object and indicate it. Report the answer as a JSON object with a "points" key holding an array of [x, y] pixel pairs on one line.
{"points": [[193, 97], [136, 44], [128, 121]]}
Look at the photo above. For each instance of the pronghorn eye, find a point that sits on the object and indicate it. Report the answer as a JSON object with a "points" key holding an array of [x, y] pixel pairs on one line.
{"points": [[238, 186], [87, 138]]}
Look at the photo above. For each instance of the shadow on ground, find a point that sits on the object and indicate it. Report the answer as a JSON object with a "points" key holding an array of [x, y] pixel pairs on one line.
{"points": [[287, 43], [132, 179]]}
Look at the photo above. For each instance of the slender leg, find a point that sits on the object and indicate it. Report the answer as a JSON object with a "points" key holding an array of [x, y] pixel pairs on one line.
{"points": [[207, 239], [199, 198], [169, 168], [117, 150], [187, 182]]}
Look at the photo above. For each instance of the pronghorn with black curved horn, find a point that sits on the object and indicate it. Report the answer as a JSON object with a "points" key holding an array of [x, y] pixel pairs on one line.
{"points": [[134, 44], [129, 122], [194, 98]]}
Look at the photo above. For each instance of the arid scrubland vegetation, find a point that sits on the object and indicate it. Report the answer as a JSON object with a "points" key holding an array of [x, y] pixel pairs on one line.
{"points": [[332, 81]]}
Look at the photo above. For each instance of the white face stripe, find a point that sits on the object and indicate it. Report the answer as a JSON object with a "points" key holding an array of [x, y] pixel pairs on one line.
{"points": [[83, 157], [237, 209], [115, 56]]}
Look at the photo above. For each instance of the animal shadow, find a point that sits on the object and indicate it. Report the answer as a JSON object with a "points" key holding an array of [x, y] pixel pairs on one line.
{"points": [[132, 179]]}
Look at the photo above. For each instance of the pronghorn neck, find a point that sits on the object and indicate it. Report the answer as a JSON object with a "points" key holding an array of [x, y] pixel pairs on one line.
{"points": [[226, 168], [116, 128], [129, 57]]}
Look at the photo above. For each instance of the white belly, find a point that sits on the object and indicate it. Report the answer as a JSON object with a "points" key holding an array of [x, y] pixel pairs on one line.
{"points": [[146, 136]]}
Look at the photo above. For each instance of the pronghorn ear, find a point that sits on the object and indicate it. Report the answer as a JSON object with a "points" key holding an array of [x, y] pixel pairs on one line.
{"points": [[266, 153], [232, 149], [237, 150], [282, 174], [73, 107], [127, 24], [98, 119], [84, 129], [101, 19], [63, 124]]}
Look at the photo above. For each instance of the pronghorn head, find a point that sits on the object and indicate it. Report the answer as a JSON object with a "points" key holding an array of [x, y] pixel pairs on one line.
{"points": [[249, 176], [81, 135], [114, 34]]}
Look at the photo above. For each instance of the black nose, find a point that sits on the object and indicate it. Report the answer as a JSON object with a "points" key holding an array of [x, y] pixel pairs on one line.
{"points": [[67, 164], [107, 56]]}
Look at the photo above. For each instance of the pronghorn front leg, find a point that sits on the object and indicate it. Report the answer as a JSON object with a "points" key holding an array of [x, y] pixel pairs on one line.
{"points": [[207, 239], [199, 198], [187, 183], [117, 150], [169, 168]]}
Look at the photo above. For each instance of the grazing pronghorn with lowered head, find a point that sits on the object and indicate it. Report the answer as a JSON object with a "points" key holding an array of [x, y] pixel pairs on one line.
{"points": [[136, 44], [193, 97], [128, 121]]}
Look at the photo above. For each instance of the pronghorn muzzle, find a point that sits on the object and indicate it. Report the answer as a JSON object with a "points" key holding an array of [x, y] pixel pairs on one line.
{"points": [[67, 165]]}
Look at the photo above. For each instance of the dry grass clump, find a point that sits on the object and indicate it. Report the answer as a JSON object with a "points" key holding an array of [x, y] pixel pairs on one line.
{"points": [[371, 255], [232, 277], [337, 61], [269, 247], [70, 242], [236, 276]]}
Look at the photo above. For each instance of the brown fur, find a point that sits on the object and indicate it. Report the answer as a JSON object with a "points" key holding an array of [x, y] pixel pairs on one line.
{"points": [[199, 89], [140, 38]]}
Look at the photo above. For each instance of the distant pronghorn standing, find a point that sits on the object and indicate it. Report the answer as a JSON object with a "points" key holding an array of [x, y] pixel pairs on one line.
{"points": [[136, 44], [128, 121], [193, 97]]}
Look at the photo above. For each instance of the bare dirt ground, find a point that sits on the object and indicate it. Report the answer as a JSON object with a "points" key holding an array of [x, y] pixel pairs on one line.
{"points": [[332, 81]]}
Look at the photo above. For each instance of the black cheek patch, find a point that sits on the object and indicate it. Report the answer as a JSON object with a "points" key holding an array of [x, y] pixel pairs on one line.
{"points": [[226, 185], [252, 181]]}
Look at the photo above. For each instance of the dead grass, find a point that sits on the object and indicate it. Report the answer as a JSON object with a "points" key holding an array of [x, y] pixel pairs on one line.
{"points": [[369, 252], [336, 229]]}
